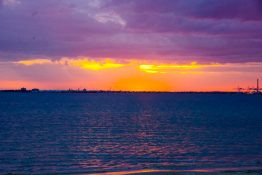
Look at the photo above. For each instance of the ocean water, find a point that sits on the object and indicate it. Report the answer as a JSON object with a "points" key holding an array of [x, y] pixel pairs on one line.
{"points": [[60, 133]]}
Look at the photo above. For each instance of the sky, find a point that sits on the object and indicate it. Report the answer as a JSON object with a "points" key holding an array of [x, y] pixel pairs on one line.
{"points": [[136, 45]]}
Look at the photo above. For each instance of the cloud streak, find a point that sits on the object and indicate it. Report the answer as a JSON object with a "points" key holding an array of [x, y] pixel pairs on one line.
{"points": [[146, 66]]}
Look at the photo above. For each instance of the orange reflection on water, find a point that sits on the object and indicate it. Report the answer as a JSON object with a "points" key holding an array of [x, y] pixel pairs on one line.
{"points": [[131, 172], [211, 170]]}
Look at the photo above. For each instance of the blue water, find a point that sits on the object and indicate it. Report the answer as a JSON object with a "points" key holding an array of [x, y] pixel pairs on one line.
{"points": [[105, 132]]}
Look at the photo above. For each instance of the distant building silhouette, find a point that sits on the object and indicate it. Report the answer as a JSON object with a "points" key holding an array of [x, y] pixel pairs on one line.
{"points": [[23, 89], [35, 90], [250, 90]]}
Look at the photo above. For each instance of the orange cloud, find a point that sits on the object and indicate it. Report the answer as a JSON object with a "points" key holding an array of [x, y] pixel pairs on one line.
{"points": [[83, 63], [89, 64], [162, 68], [145, 66], [34, 61]]}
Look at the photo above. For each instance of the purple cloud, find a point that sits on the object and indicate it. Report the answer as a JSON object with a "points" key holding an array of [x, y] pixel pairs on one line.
{"points": [[199, 30]]}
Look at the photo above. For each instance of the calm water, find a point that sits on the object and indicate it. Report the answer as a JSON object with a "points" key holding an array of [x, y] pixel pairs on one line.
{"points": [[88, 133]]}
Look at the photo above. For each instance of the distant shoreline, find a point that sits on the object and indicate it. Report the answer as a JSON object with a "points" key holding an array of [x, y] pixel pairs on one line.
{"points": [[109, 91]]}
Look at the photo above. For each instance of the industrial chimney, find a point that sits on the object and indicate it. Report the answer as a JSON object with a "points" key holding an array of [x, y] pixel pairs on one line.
{"points": [[257, 85]]}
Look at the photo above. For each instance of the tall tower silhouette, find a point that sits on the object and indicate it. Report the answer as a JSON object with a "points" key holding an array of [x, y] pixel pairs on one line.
{"points": [[257, 85]]}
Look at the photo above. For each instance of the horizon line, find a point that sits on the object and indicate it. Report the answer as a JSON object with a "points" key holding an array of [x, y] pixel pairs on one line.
{"points": [[109, 91]]}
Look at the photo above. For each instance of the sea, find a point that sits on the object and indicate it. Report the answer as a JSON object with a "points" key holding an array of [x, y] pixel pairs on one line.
{"points": [[92, 133]]}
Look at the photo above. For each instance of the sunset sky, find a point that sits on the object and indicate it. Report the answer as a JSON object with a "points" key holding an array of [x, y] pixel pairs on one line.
{"points": [[152, 45]]}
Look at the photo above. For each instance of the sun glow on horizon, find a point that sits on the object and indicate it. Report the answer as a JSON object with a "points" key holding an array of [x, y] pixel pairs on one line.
{"points": [[141, 83], [126, 75]]}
